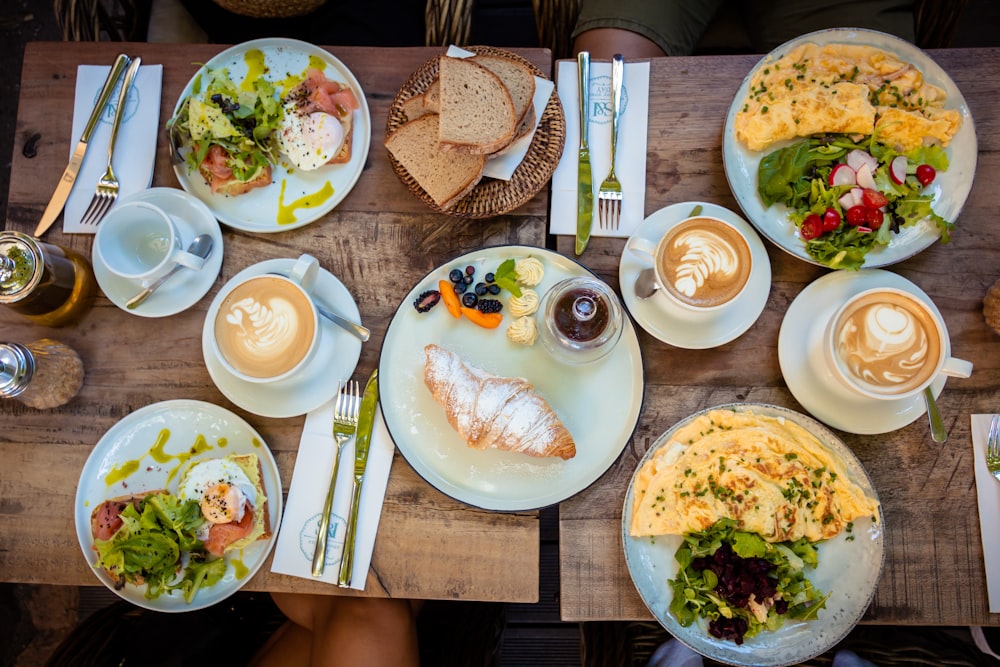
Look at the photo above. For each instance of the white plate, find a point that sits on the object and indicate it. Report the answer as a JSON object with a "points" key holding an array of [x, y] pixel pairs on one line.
{"points": [[599, 403], [848, 569], [335, 359], [950, 189], [259, 209], [185, 422], [679, 327], [185, 288], [805, 373]]}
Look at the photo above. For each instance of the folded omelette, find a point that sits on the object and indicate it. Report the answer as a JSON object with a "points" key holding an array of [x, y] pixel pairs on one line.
{"points": [[843, 88], [769, 474]]}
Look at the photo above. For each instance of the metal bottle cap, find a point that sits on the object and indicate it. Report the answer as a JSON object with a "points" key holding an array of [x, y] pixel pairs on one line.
{"points": [[20, 266], [17, 365]]}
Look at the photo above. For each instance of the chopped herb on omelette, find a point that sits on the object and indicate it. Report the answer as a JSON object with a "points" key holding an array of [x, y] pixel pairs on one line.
{"points": [[770, 475]]}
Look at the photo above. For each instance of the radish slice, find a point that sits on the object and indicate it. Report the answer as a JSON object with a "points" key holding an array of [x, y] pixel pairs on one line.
{"points": [[842, 174], [865, 178], [849, 200], [865, 230], [857, 158], [897, 169]]}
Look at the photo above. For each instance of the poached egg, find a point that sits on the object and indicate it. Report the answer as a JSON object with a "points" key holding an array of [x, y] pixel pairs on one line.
{"points": [[221, 488], [309, 140]]}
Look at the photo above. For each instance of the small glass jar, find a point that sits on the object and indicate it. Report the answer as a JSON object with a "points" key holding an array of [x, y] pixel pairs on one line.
{"points": [[581, 320], [43, 374]]}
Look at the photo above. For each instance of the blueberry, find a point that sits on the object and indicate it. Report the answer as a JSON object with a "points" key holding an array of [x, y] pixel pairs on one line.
{"points": [[493, 288], [467, 279], [490, 277], [469, 300], [455, 275], [470, 270], [481, 289], [460, 287]]}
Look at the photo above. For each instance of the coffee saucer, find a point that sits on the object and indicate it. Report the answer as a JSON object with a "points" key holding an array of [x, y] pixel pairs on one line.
{"points": [[680, 327], [183, 289], [801, 358], [335, 360]]}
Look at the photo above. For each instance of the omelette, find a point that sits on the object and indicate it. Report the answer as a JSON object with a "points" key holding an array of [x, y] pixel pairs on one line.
{"points": [[769, 474], [844, 88]]}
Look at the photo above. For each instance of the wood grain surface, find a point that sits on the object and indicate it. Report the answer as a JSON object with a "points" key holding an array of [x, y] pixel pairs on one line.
{"points": [[934, 572], [379, 242]]}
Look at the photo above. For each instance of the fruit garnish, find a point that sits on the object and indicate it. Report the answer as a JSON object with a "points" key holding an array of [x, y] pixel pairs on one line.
{"points": [[489, 306], [926, 174], [485, 320], [427, 300], [469, 300], [450, 296]]}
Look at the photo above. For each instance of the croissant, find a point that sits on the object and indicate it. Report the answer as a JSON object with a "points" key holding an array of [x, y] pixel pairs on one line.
{"points": [[492, 411]]}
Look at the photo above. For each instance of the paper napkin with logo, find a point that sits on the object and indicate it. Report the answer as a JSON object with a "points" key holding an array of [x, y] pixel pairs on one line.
{"points": [[135, 150], [293, 552], [630, 163], [988, 492]]}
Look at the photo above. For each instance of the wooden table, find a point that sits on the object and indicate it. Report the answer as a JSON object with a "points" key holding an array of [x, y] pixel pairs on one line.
{"points": [[379, 242], [934, 573]]}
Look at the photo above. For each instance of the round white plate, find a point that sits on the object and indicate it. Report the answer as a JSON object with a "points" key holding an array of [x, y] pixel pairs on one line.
{"points": [[950, 189], [259, 209], [131, 439], [185, 288], [599, 403], [849, 569], [800, 356], [335, 359], [680, 327]]}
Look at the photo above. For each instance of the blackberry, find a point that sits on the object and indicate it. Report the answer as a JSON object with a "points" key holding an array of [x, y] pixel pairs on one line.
{"points": [[489, 277], [469, 300], [426, 300], [493, 288], [489, 306], [456, 275], [481, 289]]}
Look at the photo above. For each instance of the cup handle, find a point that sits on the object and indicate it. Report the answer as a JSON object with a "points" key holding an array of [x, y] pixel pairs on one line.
{"points": [[304, 271], [185, 258], [956, 368], [642, 246]]}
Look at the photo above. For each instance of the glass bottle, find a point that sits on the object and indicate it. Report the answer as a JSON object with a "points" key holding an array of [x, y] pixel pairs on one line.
{"points": [[48, 284], [43, 374]]}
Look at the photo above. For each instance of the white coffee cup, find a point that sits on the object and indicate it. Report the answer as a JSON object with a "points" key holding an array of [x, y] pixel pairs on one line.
{"points": [[265, 328], [888, 344], [138, 241], [700, 264]]}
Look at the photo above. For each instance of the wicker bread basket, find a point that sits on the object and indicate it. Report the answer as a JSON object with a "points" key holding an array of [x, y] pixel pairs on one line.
{"points": [[270, 9]]}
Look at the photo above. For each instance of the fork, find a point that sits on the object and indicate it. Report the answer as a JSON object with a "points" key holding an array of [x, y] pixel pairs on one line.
{"points": [[107, 187], [345, 423], [609, 197], [993, 447]]}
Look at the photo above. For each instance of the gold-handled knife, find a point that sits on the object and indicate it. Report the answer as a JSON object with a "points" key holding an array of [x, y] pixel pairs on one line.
{"points": [[68, 177], [362, 443], [585, 191]]}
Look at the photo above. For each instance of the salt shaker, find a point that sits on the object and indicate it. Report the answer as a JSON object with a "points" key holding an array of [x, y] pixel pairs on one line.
{"points": [[43, 374]]}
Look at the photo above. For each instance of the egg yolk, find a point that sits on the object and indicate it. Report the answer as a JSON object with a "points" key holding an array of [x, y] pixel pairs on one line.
{"points": [[222, 503]]}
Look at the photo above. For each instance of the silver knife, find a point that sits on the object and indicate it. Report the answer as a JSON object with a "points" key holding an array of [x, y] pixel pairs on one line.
{"points": [[362, 443], [65, 184], [585, 193]]}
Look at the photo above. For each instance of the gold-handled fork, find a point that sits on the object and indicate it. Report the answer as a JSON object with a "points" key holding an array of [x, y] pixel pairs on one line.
{"points": [[993, 447], [107, 187], [609, 197], [345, 423]]}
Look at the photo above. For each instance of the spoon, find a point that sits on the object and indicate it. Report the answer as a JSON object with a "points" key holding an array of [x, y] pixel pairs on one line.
{"points": [[938, 432], [351, 327], [645, 284], [201, 245]]}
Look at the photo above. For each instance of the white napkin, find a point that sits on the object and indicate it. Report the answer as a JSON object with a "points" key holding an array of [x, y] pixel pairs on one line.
{"points": [[135, 150], [293, 552], [630, 165], [503, 165], [988, 491]]}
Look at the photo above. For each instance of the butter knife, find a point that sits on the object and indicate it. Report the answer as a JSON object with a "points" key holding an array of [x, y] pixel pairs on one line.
{"points": [[362, 443], [68, 177], [585, 193]]}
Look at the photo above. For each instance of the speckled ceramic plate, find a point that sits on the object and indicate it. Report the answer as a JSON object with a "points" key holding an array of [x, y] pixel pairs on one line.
{"points": [[849, 569]]}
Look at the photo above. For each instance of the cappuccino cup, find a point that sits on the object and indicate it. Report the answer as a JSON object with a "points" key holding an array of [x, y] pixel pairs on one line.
{"points": [[138, 241], [266, 327], [700, 264], [888, 344]]}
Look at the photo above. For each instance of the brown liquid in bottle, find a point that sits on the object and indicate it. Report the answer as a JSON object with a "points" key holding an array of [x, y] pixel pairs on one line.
{"points": [[581, 314]]}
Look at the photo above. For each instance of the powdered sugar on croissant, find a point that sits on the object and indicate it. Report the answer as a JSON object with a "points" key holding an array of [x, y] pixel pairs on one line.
{"points": [[492, 411]]}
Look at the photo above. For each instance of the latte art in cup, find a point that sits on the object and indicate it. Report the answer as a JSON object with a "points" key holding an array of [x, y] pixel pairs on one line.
{"points": [[265, 327], [887, 343], [704, 262]]}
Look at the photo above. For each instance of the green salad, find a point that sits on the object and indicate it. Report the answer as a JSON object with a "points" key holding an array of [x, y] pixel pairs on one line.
{"points": [[742, 584], [849, 195]]}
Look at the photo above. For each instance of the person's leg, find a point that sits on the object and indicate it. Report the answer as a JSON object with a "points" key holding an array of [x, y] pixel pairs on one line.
{"points": [[642, 29]]}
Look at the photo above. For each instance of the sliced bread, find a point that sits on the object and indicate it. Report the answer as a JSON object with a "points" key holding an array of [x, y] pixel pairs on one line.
{"points": [[518, 79], [445, 177], [477, 110]]}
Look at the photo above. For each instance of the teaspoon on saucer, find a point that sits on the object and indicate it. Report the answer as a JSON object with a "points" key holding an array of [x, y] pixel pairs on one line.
{"points": [[645, 284], [351, 327], [938, 432], [201, 246]]}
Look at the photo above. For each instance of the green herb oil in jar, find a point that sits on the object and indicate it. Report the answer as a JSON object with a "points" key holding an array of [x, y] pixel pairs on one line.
{"points": [[49, 285]]}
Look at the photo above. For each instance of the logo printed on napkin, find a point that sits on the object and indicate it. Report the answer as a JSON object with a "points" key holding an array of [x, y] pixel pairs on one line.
{"points": [[135, 150]]}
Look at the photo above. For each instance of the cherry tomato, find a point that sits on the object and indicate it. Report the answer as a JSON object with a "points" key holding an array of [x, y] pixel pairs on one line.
{"points": [[812, 227], [875, 218], [873, 198], [831, 219], [857, 215], [926, 174]]}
